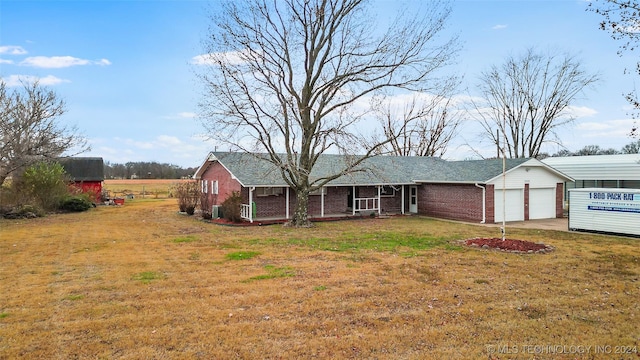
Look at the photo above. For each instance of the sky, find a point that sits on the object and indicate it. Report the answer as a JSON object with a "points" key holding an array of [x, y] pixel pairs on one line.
{"points": [[127, 69]]}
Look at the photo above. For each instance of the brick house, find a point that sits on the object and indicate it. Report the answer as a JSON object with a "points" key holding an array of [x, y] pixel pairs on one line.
{"points": [[459, 190]]}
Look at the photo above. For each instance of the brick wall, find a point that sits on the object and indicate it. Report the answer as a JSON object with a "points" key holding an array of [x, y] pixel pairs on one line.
{"points": [[490, 204], [226, 184], [335, 202], [451, 201], [559, 200]]}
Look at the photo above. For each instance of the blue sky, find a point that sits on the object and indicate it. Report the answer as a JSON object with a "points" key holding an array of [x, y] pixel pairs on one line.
{"points": [[126, 72]]}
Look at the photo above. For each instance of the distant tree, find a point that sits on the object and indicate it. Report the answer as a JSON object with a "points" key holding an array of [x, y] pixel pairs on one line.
{"points": [[291, 79], [562, 153], [424, 127], [595, 150], [30, 130], [620, 18], [157, 170], [527, 98], [631, 148]]}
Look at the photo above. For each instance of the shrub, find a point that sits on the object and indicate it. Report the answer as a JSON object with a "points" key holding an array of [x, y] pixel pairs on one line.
{"points": [[76, 203], [231, 207], [22, 212], [205, 206], [188, 194], [45, 184]]}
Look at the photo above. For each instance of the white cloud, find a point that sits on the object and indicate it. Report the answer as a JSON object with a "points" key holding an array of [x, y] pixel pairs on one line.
{"points": [[12, 50], [499, 27], [187, 115], [606, 129], [3, 61], [580, 111], [232, 57], [18, 80], [56, 62], [166, 140]]}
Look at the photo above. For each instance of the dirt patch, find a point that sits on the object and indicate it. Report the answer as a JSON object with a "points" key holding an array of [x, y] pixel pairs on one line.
{"points": [[509, 245]]}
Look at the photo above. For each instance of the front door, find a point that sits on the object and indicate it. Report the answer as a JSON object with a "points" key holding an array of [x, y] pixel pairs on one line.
{"points": [[413, 199], [353, 192]]}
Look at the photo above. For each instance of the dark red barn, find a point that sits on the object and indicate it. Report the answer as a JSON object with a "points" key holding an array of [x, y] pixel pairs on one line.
{"points": [[86, 173]]}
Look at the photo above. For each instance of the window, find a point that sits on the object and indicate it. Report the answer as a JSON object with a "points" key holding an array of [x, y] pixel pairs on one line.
{"points": [[387, 191], [214, 187], [205, 186], [322, 190]]}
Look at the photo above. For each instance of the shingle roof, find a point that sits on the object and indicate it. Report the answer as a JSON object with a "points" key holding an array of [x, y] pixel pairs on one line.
{"points": [[253, 170], [83, 168]]}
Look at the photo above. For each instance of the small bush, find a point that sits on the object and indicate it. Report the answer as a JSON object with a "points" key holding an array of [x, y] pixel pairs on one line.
{"points": [[188, 194], [76, 203], [22, 212], [231, 207]]}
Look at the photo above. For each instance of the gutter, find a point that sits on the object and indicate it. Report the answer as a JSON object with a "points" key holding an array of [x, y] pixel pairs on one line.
{"points": [[484, 204]]}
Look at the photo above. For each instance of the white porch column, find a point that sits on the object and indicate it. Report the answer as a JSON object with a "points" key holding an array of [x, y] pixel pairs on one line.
{"points": [[322, 201], [287, 205], [251, 203], [379, 197], [353, 203], [402, 200]]}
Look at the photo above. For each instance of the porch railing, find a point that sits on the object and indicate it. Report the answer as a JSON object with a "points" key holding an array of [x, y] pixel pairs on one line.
{"points": [[366, 204], [245, 212]]}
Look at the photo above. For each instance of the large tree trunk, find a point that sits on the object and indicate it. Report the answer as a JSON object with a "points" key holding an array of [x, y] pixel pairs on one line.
{"points": [[301, 213]]}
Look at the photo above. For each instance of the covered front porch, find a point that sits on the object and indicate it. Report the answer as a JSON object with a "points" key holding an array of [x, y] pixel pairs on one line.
{"points": [[331, 202]]}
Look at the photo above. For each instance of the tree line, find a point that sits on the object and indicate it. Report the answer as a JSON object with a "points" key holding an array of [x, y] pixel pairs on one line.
{"points": [[146, 170], [631, 148]]}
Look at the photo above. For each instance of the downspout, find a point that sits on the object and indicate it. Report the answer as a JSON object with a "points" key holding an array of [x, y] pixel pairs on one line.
{"points": [[484, 202]]}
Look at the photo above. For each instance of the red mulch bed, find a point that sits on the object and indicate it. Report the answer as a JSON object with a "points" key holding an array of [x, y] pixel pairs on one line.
{"points": [[509, 245]]}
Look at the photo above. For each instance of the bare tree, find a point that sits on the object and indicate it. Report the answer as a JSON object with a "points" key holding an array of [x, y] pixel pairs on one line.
{"points": [[291, 79], [30, 130], [622, 19], [595, 150], [527, 98], [424, 126], [631, 148]]}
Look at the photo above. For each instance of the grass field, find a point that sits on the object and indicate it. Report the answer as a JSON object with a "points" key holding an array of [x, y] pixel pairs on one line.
{"points": [[142, 281], [144, 188]]}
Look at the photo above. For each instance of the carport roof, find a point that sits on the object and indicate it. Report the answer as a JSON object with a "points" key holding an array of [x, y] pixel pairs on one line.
{"points": [[255, 170]]}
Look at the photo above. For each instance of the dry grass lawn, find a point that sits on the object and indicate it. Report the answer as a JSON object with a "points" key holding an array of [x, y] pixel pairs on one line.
{"points": [[144, 282]]}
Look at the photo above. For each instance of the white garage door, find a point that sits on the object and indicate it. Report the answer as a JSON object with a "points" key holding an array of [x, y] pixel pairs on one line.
{"points": [[542, 203], [514, 205]]}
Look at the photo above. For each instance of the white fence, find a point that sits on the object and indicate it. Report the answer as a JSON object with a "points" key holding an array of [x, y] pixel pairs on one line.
{"points": [[245, 212], [366, 204]]}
